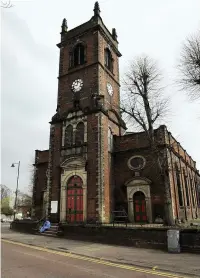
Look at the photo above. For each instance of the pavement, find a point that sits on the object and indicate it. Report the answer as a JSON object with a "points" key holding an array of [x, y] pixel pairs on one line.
{"points": [[182, 264]]}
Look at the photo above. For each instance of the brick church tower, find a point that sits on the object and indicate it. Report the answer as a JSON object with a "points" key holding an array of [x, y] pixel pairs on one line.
{"points": [[79, 175], [92, 167]]}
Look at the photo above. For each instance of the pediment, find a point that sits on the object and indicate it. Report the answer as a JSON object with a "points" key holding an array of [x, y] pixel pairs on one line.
{"points": [[73, 163], [137, 181]]}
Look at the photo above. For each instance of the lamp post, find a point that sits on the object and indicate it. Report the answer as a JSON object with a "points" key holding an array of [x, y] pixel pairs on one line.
{"points": [[15, 207]]}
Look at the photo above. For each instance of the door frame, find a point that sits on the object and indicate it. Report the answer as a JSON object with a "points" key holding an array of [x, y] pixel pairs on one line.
{"points": [[66, 173], [139, 184]]}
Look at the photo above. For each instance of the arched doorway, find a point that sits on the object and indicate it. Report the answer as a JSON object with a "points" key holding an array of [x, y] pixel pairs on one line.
{"points": [[140, 213], [75, 199]]}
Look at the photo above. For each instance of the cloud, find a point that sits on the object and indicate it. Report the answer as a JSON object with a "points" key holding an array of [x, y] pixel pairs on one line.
{"points": [[27, 68], [29, 63]]}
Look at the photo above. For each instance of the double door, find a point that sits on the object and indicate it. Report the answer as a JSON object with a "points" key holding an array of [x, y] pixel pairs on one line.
{"points": [[75, 205]]}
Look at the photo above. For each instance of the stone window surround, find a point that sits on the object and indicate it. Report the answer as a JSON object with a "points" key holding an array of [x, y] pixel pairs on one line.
{"points": [[65, 176], [74, 122], [71, 53], [109, 61], [134, 185], [139, 168]]}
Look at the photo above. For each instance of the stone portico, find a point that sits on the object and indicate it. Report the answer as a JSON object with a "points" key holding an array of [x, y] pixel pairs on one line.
{"points": [[74, 166], [134, 185]]}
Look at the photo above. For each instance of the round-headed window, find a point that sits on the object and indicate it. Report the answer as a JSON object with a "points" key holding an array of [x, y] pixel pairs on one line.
{"points": [[136, 162], [75, 181]]}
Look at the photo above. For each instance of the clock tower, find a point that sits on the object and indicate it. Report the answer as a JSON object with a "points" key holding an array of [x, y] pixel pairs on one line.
{"points": [[80, 173]]}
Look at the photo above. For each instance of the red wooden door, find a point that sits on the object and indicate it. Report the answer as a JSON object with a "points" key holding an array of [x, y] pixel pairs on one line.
{"points": [[140, 207], [75, 200]]}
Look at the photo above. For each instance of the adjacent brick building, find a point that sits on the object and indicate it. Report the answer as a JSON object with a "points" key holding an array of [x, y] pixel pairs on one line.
{"points": [[92, 166]]}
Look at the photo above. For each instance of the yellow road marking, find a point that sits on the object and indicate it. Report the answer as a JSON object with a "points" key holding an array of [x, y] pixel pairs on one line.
{"points": [[99, 261]]}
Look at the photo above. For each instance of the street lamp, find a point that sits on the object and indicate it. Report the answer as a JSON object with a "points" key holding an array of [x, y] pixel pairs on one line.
{"points": [[13, 165]]}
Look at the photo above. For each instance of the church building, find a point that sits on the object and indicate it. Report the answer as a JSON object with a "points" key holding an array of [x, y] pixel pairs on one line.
{"points": [[93, 165]]}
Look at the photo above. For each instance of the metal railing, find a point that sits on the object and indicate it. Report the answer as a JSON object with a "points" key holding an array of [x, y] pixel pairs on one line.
{"points": [[119, 219]]}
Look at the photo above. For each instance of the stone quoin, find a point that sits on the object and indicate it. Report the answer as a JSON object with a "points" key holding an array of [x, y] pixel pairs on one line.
{"points": [[93, 166]]}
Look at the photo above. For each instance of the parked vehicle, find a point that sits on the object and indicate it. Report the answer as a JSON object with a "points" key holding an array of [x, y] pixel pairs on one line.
{"points": [[6, 220]]}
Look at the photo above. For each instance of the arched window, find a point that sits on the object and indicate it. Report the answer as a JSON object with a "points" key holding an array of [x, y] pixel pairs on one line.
{"points": [[192, 191], [79, 135], [108, 59], [69, 136], [79, 54], [75, 181], [110, 140], [178, 182], [186, 189], [197, 186]]}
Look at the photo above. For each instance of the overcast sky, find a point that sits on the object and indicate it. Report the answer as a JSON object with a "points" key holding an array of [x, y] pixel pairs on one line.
{"points": [[30, 58]]}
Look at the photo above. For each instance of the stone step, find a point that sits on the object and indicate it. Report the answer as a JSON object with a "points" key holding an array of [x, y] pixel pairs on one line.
{"points": [[54, 228], [50, 231]]}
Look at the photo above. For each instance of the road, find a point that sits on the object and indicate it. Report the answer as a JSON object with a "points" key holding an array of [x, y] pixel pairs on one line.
{"points": [[20, 261]]}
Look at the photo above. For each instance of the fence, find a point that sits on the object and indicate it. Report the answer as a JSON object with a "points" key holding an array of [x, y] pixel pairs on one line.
{"points": [[119, 219]]}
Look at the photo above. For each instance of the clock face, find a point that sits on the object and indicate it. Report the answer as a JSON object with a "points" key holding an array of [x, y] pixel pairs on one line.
{"points": [[109, 89], [77, 85]]}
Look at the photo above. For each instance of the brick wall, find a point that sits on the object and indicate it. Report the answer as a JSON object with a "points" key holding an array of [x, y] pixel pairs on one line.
{"points": [[54, 170], [155, 238], [137, 144], [188, 178], [93, 166], [40, 180], [95, 37], [146, 238], [88, 72], [122, 174], [103, 180]]}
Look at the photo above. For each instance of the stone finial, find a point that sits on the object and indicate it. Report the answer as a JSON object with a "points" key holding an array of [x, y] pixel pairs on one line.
{"points": [[64, 26], [96, 9], [114, 34]]}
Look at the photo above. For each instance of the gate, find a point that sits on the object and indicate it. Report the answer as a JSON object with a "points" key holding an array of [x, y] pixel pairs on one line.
{"points": [[75, 200]]}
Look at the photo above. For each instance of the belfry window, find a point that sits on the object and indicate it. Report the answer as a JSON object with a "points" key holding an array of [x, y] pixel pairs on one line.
{"points": [[79, 55], [69, 136], [108, 59]]}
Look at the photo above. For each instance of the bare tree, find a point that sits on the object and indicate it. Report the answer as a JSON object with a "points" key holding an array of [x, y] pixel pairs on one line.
{"points": [[143, 101], [24, 199], [144, 104], [189, 66]]}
